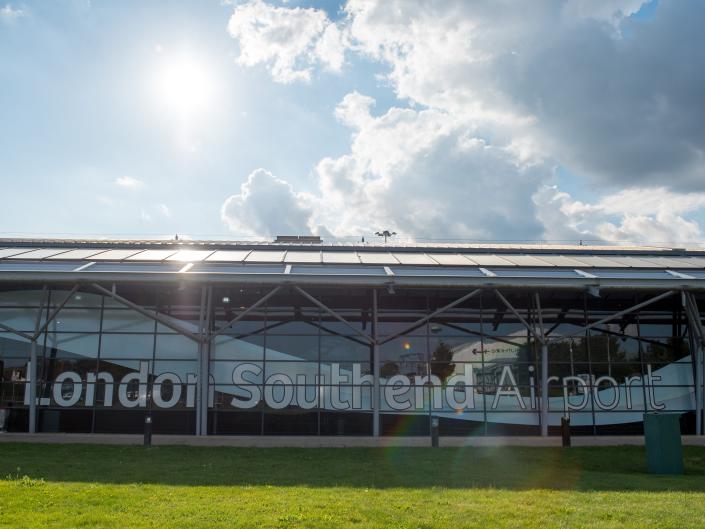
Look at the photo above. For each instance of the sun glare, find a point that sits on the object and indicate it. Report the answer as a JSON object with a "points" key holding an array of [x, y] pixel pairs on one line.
{"points": [[184, 86]]}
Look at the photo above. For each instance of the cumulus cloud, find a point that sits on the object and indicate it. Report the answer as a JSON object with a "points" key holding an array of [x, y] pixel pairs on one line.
{"points": [[128, 182], [289, 41], [9, 13], [267, 206], [648, 215], [498, 97]]}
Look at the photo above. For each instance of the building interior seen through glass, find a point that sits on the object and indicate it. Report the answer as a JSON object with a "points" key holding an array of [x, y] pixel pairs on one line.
{"points": [[288, 367]]}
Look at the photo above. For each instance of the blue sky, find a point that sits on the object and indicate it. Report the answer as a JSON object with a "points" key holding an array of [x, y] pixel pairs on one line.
{"points": [[247, 119]]}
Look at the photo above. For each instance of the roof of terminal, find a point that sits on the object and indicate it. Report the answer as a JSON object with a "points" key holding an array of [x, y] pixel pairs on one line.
{"points": [[418, 264]]}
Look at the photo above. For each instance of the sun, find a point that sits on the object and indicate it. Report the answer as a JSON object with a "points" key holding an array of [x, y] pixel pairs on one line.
{"points": [[183, 85]]}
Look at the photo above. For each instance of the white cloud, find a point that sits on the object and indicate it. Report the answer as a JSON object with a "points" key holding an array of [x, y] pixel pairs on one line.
{"points": [[9, 13], [267, 206], [645, 215], [128, 182], [164, 210], [290, 41], [498, 97]]}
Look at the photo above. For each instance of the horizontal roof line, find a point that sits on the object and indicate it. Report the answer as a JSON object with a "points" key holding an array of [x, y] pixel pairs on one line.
{"points": [[479, 247]]}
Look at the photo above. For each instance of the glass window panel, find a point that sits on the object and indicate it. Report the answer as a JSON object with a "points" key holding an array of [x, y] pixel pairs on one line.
{"points": [[568, 350], [250, 371], [437, 272], [405, 349], [245, 348], [176, 346], [117, 320], [12, 345], [455, 349], [235, 269], [665, 350], [609, 348], [70, 345], [20, 298], [21, 319], [507, 349], [76, 320], [291, 369], [336, 348], [37, 267], [292, 347], [127, 346]]}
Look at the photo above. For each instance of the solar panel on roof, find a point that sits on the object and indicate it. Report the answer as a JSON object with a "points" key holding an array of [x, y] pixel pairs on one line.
{"points": [[482, 259], [265, 256], [596, 260], [377, 258], [7, 252], [231, 256], [414, 258], [190, 256], [677, 262], [562, 260], [39, 253], [449, 259], [634, 262], [78, 253], [303, 257], [340, 257], [115, 255], [525, 260], [151, 255]]}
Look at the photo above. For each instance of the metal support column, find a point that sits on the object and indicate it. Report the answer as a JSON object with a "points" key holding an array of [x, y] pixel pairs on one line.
{"points": [[375, 369], [544, 390], [32, 375], [199, 374], [697, 334], [544, 368], [204, 358]]}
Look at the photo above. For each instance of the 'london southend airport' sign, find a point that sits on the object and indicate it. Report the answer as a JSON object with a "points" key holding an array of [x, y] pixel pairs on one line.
{"points": [[347, 389]]}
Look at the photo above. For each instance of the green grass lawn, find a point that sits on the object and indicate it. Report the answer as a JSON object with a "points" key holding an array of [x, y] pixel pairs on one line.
{"points": [[71, 486]]}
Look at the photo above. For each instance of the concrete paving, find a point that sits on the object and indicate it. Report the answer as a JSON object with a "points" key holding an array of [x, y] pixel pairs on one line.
{"points": [[326, 442]]}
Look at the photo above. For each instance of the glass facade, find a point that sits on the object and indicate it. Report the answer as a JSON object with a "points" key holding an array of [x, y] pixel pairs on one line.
{"points": [[289, 367]]}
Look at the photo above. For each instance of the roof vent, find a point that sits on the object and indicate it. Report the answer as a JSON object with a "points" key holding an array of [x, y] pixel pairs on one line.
{"points": [[305, 239]]}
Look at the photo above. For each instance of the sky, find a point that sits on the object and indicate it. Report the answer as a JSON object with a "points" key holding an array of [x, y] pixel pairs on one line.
{"points": [[443, 120]]}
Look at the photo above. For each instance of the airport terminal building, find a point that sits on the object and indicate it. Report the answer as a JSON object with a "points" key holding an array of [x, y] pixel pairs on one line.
{"points": [[300, 337]]}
